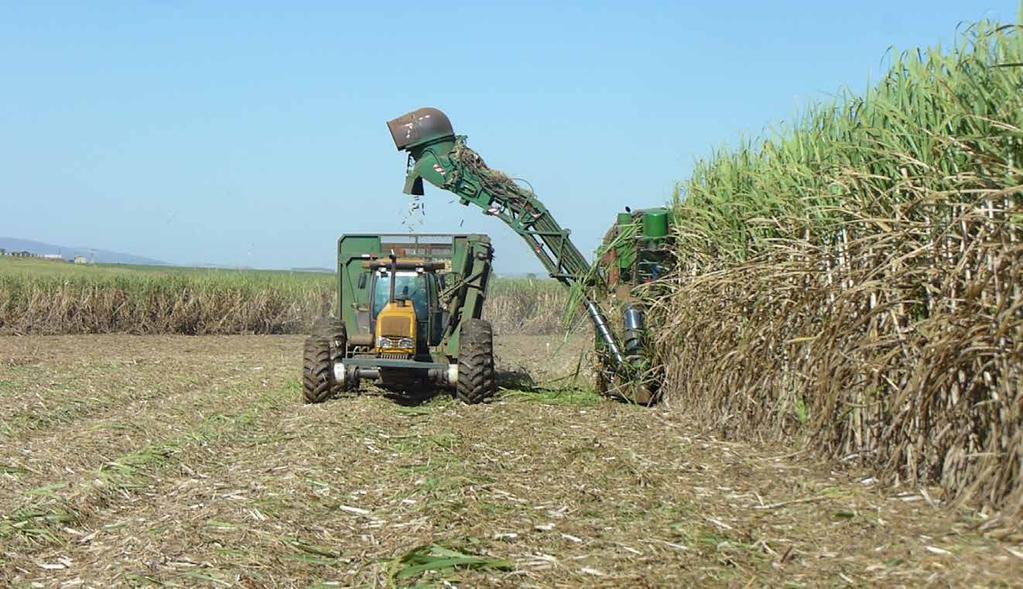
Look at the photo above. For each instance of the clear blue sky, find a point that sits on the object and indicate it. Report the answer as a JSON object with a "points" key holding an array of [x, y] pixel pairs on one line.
{"points": [[253, 133]]}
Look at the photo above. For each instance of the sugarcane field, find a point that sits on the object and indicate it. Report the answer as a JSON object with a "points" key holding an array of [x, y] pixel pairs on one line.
{"points": [[547, 311]]}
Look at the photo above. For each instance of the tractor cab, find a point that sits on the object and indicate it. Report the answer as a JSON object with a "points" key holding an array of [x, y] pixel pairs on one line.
{"points": [[406, 313]]}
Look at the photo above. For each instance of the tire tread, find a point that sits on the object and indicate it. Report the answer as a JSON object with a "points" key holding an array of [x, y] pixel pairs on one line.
{"points": [[477, 378]]}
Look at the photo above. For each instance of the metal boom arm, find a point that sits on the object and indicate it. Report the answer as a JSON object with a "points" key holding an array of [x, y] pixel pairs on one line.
{"points": [[444, 160]]}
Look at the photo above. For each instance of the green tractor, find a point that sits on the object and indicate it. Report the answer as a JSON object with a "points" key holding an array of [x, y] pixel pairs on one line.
{"points": [[409, 318]]}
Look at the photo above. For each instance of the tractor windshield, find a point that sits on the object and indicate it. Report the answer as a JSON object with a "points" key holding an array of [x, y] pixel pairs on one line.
{"points": [[409, 286]]}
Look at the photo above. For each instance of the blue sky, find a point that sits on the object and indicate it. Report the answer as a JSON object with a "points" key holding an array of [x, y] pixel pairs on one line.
{"points": [[253, 133]]}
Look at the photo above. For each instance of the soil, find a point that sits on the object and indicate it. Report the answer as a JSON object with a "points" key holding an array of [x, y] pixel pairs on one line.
{"points": [[192, 461]]}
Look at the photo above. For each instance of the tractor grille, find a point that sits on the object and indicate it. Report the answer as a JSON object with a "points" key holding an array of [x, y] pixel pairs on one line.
{"points": [[395, 326], [395, 355]]}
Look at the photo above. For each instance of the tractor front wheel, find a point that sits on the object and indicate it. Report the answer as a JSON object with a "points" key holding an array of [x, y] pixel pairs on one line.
{"points": [[334, 330], [317, 370], [477, 378]]}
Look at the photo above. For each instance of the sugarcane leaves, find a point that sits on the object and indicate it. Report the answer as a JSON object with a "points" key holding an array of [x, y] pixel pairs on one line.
{"points": [[436, 558]]}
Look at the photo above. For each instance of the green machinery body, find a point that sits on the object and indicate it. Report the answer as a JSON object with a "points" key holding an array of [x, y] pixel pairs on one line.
{"points": [[636, 250], [432, 333], [636, 243], [457, 293]]}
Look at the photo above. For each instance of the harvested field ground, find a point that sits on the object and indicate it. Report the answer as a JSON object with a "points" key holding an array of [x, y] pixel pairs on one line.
{"points": [[189, 461]]}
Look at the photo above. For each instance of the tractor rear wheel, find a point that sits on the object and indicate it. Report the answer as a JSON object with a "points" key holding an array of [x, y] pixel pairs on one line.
{"points": [[317, 370], [477, 378]]}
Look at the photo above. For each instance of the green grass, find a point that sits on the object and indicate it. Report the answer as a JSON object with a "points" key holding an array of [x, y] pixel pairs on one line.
{"points": [[559, 397], [38, 267], [142, 279]]}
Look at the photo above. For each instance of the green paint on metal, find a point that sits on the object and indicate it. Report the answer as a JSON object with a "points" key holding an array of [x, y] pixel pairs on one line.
{"points": [[443, 159], [655, 223], [457, 294], [354, 280], [449, 164]]}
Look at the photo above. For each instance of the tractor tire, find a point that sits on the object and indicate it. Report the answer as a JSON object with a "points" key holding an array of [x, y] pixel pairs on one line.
{"points": [[317, 370], [477, 378], [334, 330]]}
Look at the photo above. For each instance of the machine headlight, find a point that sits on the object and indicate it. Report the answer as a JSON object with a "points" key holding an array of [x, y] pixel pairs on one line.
{"points": [[404, 343]]}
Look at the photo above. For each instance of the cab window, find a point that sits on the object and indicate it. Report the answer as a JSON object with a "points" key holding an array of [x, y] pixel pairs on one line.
{"points": [[409, 286]]}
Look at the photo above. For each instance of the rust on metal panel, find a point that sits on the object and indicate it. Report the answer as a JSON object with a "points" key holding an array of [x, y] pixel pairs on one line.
{"points": [[418, 126]]}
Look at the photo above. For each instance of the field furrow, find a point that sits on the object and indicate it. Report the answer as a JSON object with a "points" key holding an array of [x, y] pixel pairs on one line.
{"points": [[549, 488], [173, 389], [48, 383]]}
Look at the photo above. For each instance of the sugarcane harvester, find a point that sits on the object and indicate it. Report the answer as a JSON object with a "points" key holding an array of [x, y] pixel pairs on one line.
{"points": [[443, 159]]}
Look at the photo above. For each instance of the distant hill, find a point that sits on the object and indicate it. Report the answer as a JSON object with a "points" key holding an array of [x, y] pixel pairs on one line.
{"points": [[12, 244]]}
